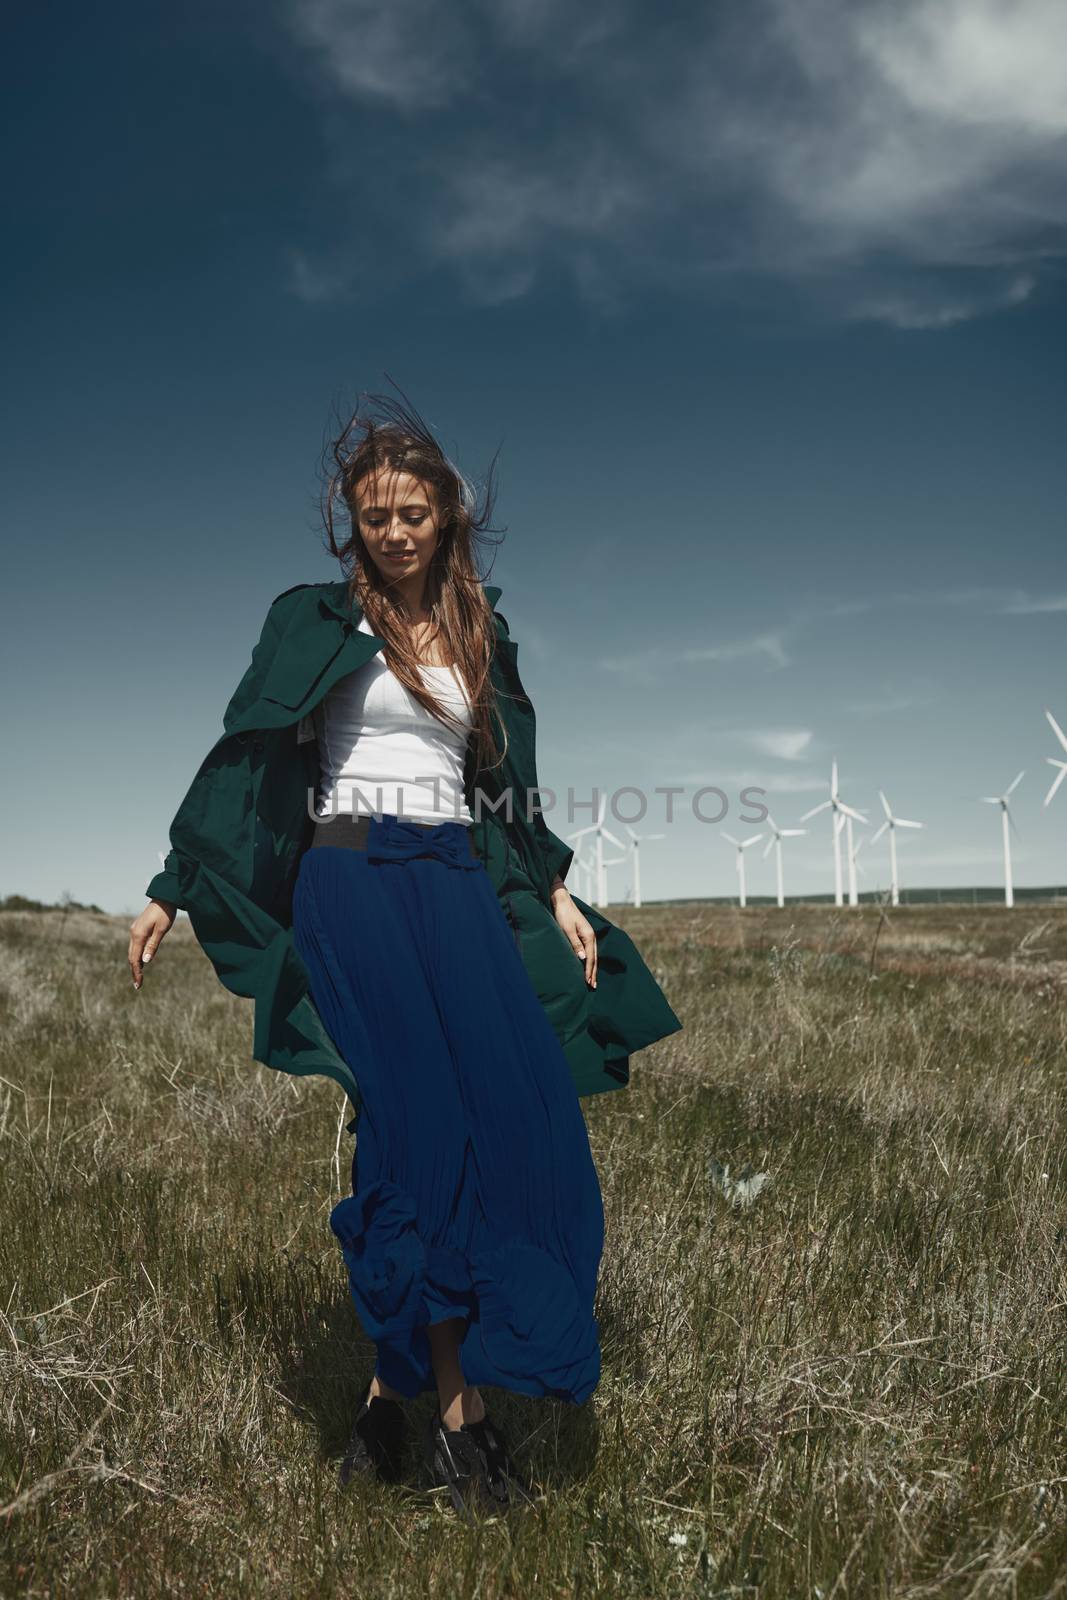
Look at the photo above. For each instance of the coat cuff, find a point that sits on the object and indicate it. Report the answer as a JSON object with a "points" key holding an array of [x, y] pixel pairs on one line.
{"points": [[165, 885], [557, 855]]}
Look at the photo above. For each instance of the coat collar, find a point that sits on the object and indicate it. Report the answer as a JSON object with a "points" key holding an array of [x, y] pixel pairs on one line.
{"points": [[310, 658]]}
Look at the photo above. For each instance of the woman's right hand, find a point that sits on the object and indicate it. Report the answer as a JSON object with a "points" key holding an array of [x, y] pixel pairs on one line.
{"points": [[146, 933]]}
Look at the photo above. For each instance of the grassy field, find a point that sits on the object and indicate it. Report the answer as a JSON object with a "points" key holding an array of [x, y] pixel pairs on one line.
{"points": [[854, 1386]]}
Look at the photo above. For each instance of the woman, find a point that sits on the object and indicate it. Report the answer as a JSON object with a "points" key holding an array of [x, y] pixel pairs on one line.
{"points": [[474, 1231]]}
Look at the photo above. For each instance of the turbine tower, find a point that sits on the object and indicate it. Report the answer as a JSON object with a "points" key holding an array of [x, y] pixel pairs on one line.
{"points": [[775, 843], [600, 833], [1006, 818], [741, 846], [839, 814], [635, 841], [1052, 760], [890, 826], [583, 874], [852, 851]]}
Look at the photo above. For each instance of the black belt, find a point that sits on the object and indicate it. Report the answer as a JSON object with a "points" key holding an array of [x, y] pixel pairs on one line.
{"points": [[349, 832]]}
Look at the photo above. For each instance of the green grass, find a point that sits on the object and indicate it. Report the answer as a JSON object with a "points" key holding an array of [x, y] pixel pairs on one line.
{"points": [[856, 1386]]}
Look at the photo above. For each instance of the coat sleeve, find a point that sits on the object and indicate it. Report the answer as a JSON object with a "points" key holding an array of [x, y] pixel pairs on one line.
{"points": [[166, 885], [556, 853]]}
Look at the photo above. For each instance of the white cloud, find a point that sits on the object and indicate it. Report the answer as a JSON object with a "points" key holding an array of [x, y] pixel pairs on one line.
{"points": [[936, 310], [772, 783], [768, 646], [410, 56], [900, 160], [1025, 605], [999, 602], [787, 744], [975, 62], [884, 705]]}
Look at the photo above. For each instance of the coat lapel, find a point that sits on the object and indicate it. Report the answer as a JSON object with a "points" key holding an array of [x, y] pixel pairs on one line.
{"points": [[321, 644]]}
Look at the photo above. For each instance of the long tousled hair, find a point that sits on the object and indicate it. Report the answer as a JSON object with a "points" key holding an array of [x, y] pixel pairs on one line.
{"points": [[461, 615]]}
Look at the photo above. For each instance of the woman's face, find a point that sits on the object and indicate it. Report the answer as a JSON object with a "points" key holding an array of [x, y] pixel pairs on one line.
{"points": [[398, 524]]}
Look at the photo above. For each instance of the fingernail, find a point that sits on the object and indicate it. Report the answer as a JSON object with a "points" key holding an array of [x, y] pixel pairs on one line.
{"points": [[147, 956]]}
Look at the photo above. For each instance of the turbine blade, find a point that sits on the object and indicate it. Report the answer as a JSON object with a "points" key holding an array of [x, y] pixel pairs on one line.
{"points": [[616, 842], [730, 839], [1014, 781], [876, 836], [791, 833], [755, 839], [1057, 780], [857, 816], [833, 778], [839, 822], [903, 823], [770, 847], [885, 804], [1057, 730], [991, 799], [814, 812]]}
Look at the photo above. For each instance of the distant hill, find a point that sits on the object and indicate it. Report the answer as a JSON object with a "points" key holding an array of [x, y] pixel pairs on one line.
{"points": [[20, 902], [983, 895]]}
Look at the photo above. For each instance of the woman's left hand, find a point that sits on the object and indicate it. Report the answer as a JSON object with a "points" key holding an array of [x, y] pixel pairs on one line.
{"points": [[578, 930]]}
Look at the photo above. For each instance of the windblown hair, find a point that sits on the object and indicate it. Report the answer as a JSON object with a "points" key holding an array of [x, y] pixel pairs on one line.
{"points": [[460, 614]]}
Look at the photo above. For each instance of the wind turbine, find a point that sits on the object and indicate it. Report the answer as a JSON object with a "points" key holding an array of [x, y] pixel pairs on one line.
{"points": [[583, 873], [600, 833], [855, 856], [609, 861], [775, 843], [1001, 800], [741, 846], [890, 825], [636, 839], [1052, 760], [853, 851], [839, 814]]}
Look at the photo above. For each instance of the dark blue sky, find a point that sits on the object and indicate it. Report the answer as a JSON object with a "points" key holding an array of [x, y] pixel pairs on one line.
{"points": [[764, 308]]}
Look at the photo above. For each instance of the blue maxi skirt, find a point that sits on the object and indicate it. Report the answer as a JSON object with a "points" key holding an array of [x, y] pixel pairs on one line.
{"points": [[474, 1194]]}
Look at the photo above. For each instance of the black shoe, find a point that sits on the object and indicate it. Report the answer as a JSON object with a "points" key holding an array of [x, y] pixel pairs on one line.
{"points": [[473, 1461], [456, 1462], [376, 1447], [504, 1483]]}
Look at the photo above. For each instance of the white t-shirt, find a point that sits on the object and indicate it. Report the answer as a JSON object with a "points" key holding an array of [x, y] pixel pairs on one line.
{"points": [[380, 750]]}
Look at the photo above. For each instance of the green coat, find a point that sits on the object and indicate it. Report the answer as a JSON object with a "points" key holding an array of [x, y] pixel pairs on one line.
{"points": [[242, 827]]}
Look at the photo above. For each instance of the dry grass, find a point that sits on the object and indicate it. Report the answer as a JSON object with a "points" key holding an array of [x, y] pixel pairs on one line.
{"points": [[854, 1387]]}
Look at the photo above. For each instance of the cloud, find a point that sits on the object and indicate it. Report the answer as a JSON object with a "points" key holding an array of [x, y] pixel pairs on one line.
{"points": [[409, 56], [890, 160], [787, 744], [1004, 602], [768, 646], [884, 705], [940, 308], [1024, 605], [772, 783]]}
